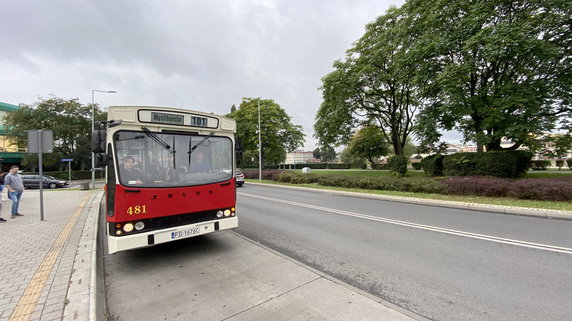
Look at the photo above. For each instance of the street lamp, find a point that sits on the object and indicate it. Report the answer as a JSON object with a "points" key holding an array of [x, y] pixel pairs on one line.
{"points": [[93, 129]]}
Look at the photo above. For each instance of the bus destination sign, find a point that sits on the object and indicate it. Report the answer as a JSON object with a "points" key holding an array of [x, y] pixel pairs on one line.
{"points": [[171, 119]]}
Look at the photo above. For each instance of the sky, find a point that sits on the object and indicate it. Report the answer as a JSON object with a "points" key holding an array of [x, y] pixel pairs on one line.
{"points": [[199, 55]]}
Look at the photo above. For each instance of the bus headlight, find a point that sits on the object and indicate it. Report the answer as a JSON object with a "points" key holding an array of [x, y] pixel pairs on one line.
{"points": [[219, 214], [227, 213], [128, 227], [139, 226]]}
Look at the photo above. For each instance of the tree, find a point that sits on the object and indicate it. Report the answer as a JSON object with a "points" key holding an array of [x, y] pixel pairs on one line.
{"points": [[347, 157], [370, 143], [316, 153], [492, 69], [373, 85], [70, 122], [328, 153], [279, 135]]}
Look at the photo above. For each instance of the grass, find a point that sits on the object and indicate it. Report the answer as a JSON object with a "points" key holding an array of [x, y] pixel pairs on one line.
{"points": [[564, 206]]}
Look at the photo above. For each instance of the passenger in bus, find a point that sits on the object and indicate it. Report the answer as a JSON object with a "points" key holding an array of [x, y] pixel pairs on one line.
{"points": [[200, 163], [129, 174]]}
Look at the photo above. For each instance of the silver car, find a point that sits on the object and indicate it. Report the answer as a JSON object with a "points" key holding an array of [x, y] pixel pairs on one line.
{"points": [[239, 178]]}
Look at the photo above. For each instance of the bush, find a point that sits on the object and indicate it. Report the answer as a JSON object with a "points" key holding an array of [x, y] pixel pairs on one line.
{"points": [[507, 164], [477, 185], [569, 163], [540, 165], [416, 166], [547, 189], [338, 166], [459, 164], [398, 164], [380, 166], [559, 163], [433, 165], [266, 174]]}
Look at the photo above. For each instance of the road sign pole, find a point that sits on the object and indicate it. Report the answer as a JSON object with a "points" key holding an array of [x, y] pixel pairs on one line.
{"points": [[40, 163]]}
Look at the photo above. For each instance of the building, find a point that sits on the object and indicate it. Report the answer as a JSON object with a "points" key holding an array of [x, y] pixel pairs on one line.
{"points": [[10, 153], [299, 157]]}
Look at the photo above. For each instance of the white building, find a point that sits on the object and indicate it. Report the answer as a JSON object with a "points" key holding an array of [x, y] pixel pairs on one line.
{"points": [[299, 157]]}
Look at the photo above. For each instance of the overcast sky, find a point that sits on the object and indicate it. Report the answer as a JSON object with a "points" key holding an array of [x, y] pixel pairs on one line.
{"points": [[203, 55]]}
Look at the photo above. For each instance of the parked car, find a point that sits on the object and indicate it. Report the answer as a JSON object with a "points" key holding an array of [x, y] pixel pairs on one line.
{"points": [[32, 181], [239, 178]]}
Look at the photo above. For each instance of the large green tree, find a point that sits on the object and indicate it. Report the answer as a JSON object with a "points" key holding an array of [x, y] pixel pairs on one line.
{"points": [[70, 122], [369, 143], [372, 85], [492, 69], [278, 134]]}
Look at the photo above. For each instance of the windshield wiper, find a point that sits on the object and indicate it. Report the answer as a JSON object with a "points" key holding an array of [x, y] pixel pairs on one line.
{"points": [[158, 140], [192, 148]]}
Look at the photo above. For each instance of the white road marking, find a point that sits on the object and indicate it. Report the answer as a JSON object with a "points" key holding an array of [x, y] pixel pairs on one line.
{"points": [[490, 238]]}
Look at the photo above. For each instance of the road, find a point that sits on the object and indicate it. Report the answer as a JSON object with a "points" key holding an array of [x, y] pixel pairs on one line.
{"points": [[441, 263]]}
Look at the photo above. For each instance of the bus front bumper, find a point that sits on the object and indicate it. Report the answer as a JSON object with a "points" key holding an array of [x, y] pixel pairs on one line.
{"points": [[128, 242]]}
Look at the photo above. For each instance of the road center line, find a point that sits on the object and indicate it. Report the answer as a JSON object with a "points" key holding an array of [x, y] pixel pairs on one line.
{"points": [[490, 238]]}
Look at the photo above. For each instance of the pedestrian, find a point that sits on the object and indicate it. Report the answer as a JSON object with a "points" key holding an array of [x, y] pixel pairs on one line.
{"points": [[15, 186], [1, 219], [2, 176]]}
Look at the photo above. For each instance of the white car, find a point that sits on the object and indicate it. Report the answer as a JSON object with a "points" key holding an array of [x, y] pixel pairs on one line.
{"points": [[239, 178]]}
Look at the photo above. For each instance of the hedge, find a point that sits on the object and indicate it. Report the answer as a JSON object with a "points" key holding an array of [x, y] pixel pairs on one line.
{"points": [[540, 164], [507, 164], [433, 165]]}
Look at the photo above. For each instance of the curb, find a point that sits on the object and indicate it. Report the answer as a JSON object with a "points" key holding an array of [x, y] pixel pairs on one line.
{"points": [[501, 209], [81, 297]]}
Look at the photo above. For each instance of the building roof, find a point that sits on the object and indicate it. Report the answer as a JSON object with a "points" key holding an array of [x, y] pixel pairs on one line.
{"points": [[8, 107]]}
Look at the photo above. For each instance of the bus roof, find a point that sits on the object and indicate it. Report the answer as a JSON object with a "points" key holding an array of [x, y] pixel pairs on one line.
{"points": [[170, 116]]}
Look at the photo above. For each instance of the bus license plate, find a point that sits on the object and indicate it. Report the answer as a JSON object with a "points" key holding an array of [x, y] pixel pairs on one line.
{"points": [[185, 233]]}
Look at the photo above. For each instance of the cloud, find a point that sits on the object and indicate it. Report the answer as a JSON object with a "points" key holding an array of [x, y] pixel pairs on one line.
{"points": [[203, 55]]}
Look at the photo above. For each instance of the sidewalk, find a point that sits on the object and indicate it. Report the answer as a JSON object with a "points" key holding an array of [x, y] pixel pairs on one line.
{"points": [[37, 257]]}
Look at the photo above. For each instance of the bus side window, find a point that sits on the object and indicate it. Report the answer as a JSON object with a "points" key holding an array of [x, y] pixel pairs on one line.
{"points": [[110, 185]]}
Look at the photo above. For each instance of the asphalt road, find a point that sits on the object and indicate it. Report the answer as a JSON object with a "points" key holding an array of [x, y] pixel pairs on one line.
{"points": [[441, 263]]}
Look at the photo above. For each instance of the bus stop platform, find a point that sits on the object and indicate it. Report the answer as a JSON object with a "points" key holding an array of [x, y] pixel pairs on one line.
{"points": [[50, 270]]}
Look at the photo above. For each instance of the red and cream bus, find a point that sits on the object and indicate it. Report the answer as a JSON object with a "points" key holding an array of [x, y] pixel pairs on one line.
{"points": [[170, 174]]}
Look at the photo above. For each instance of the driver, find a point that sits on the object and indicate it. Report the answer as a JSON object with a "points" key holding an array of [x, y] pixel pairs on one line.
{"points": [[130, 174]]}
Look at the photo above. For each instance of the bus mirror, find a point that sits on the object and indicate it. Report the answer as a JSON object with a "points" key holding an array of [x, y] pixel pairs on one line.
{"points": [[237, 144], [113, 123], [101, 159], [98, 141]]}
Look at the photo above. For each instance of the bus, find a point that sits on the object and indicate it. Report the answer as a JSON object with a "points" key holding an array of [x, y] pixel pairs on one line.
{"points": [[170, 174]]}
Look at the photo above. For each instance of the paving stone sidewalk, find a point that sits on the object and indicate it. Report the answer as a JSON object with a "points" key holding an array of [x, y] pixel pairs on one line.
{"points": [[37, 257]]}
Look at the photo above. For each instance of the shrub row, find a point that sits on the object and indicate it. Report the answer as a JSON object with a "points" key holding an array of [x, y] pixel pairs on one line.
{"points": [[324, 165], [548, 189], [507, 164], [540, 164]]}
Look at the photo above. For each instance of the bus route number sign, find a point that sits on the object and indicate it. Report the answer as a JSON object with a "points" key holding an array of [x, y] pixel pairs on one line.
{"points": [[199, 121]]}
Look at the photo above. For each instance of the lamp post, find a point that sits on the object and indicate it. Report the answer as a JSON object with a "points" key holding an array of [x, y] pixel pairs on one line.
{"points": [[93, 129]]}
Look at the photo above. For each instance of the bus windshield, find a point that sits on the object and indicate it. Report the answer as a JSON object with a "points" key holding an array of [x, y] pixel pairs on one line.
{"points": [[151, 159]]}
